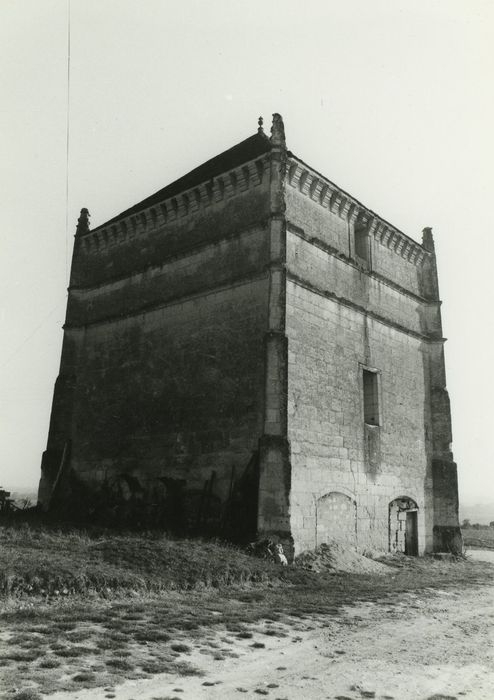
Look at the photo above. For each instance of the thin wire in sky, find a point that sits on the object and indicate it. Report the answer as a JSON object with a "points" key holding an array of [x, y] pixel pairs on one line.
{"points": [[31, 335], [68, 142]]}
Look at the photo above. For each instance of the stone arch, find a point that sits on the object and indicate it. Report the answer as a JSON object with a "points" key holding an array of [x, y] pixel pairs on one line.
{"points": [[403, 525], [336, 518]]}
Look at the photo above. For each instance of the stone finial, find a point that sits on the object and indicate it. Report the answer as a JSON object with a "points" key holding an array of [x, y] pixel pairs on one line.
{"points": [[260, 121], [428, 239], [278, 131], [83, 222]]}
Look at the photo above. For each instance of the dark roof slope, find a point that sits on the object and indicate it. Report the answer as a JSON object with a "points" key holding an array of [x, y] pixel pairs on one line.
{"points": [[246, 150]]}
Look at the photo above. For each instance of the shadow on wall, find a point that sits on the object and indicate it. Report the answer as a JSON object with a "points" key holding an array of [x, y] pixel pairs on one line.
{"points": [[165, 503]]}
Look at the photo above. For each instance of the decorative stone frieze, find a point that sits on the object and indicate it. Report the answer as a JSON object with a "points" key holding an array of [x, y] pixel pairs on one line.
{"points": [[328, 195], [187, 203]]}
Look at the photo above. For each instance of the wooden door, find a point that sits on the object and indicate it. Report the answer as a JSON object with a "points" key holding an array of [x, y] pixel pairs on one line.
{"points": [[411, 536]]}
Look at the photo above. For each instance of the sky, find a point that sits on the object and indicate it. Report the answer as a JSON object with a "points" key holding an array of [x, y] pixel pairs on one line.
{"points": [[393, 100]]}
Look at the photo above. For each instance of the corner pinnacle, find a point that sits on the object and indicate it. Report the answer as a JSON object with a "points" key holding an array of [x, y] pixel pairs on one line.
{"points": [[428, 239], [278, 131], [82, 222]]}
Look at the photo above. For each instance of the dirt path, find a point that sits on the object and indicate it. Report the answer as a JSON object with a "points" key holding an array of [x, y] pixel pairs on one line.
{"points": [[436, 645]]}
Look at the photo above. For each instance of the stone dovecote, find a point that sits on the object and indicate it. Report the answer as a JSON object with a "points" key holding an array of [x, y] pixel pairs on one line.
{"points": [[252, 352]]}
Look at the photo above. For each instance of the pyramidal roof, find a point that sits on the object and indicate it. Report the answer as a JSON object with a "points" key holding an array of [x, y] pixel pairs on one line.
{"points": [[252, 147]]}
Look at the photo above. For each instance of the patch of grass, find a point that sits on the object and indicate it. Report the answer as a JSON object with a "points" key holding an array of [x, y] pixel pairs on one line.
{"points": [[79, 635], [478, 536], [150, 635], [20, 639], [245, 635], [49, 662], [38, 560], [28, 694], [133, 628], [84, 677], [118, 637], [182, 668], [21, 656], [41, 629], [154, 667], [65, 626], [275, 633], [122, 653], [107, 643], [73, 652], [120, 664]]}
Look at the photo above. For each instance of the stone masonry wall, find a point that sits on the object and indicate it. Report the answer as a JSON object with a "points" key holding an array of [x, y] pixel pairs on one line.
{"points": [[214, 355], [328, 345], [349, 283], [161, 388], [342, 318], [175, 393]]}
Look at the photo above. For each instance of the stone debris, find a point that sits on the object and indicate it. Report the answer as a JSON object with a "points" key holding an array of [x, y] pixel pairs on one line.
{"points": [[334, 557]]}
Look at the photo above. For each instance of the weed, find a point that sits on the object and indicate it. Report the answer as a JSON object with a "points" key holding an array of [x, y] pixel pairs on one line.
{"points": [[185, 669], [84, 677], [49, 662]]}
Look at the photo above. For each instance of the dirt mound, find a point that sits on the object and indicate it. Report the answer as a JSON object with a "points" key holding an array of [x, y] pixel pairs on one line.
{"points": [[335, 556]]}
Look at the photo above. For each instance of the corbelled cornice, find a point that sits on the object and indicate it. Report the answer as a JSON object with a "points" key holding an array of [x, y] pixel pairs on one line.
{"points": [[215, 190], [326, 194]]}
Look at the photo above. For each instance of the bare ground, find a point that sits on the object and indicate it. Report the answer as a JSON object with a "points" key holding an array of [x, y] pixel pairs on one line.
{"points": [[430, 645]]}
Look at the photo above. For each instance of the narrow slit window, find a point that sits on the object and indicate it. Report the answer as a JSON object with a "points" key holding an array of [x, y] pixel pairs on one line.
{"points": [[371, 397], [361, 239]]}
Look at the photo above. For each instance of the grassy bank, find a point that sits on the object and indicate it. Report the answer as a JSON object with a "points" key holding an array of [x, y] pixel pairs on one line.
{"points": [[90, 610], [56, 563], [47, 562]]}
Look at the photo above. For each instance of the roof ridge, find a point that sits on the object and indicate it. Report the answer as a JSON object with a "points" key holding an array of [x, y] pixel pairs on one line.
{"points": [[252, 147]]}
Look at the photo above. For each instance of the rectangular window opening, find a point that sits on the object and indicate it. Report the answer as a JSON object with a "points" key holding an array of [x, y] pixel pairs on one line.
{"points": [[371, 397], [361, 244]]}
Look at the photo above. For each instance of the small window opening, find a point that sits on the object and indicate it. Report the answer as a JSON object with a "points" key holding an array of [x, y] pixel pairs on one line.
{"points": [[371, 398], [361, 239]]}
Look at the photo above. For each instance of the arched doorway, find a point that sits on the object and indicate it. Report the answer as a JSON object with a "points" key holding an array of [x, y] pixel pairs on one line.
{"points": [[403, 526], [336, 519]]}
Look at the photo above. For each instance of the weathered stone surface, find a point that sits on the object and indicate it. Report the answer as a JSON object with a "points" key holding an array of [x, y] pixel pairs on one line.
{"points": [[212, 368]]}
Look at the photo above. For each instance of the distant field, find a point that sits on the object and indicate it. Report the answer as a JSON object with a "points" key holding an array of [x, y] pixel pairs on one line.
{"points": [[482, 536]]}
